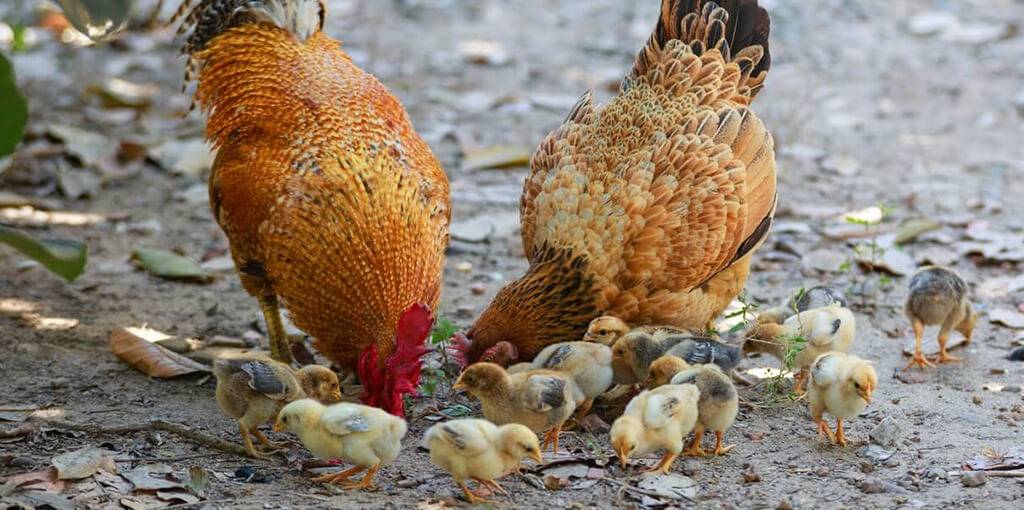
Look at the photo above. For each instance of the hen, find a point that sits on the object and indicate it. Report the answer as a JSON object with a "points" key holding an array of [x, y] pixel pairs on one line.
{"points": [[648, 208], [332, 204]]}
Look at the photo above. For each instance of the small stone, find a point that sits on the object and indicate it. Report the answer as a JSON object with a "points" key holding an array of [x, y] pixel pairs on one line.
{"points": [[21, 463], [973, 479], [866, 467], [478, 288], [870, 486], [892, 462], [784, 505], [935, 473], [997, 371], [977, 400], [1011, 388], [464, 267], [823, 471], [408, 483], [888, 433], [750, 475]]}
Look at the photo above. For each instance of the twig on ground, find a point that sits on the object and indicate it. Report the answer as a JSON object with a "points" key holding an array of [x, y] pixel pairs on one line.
{"points": [[161, 425], [22, 430], [1016, 473], [627, 487]]}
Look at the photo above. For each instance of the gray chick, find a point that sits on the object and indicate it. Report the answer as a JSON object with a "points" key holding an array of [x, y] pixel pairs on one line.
{"points": [[938, 296], [818, 296], [697, 350]]}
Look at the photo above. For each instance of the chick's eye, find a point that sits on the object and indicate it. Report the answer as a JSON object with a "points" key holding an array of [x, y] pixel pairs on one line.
{"points": [[856, 385], [602, 332]]}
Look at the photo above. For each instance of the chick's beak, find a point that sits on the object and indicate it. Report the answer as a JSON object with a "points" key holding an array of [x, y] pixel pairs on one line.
{"points": [[336, 396], [866, 394], [623, 458], [537, 457], [278, 426]]}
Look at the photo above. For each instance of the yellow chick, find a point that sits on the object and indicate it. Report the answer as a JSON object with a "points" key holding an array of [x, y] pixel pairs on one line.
{"points": [[608, 329], [716, 409], [480, 450], [841, 385], [253, 389], [938, 296], [362, 435], [540, 399], [656, 419], [826, 329], [588, 364]]}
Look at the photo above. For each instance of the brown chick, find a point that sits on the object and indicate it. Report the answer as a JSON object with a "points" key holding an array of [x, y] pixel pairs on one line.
{"points": [[663, 370], [252, 390], [716, 409], [608, 329], [938, 296], [841, 385], [633, 354], [540, 399]]}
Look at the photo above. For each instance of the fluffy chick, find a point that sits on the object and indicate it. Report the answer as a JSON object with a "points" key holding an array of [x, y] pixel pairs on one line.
{"points": [[253, 389], [633, 354], [801, 301], [362, 435], [588, 364], [841, 385], [663, 370], [702, 350], [480, 450], [608, 329], [656, 419], [826, 329], [938, 296], [539, 399], [716, 409]]}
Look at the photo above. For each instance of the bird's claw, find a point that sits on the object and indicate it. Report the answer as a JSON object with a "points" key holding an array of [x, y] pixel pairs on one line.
{"points": [[722, 450], [823, 430], [944, 357], [695, 451], [918, 360]]}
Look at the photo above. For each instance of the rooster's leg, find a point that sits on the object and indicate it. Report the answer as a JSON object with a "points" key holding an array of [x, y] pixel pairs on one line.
{"points": [[696, 449], [918, 360], [719, 449], [280, 350]]}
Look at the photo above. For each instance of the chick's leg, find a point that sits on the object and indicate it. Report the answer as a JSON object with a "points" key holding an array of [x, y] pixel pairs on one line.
{"points": [[918, 360], [696, 449], [584, 408], [470, 495], [665, 464], [824, 430], [245, 432], [270, 445], [280, 349], [367, 481], [552, 438], [339, 478], [840, 437], [944, 356], [719, 449]]}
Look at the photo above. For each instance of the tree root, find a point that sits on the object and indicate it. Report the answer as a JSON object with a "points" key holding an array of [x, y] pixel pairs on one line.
{"points": [[154, 425]]}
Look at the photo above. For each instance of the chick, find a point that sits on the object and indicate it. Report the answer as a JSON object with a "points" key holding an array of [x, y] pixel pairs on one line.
{"points": [[841, 385], [803, 300], [716, 409], [588, 364], [702, 350], [656, 419], [663, 370], [480, 450], [633, 354], [608, 329], [812, 333], [362, 435], [938, 296], [253, 389], [540, 399]]}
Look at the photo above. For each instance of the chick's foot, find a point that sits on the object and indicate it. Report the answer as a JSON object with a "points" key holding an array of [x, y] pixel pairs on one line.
{"points": [[918, 361]]}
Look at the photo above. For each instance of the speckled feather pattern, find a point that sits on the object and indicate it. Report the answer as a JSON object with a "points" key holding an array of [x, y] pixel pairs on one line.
{"points": [[321, 179], [662, 190]]}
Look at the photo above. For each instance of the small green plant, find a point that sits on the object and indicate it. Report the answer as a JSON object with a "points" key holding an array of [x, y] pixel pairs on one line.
{"points": [[792, 344], [747, 312], [440, 337], [872, 252]]}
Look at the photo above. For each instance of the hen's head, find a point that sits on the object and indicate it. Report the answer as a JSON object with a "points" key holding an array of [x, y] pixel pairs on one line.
{"points": [[387, 381]]}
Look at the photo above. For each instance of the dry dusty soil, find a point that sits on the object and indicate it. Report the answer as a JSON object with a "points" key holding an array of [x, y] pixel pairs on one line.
{"points": [[913, 104]]}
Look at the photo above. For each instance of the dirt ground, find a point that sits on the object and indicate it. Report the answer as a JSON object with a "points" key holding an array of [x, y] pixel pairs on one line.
{"points": [[868, 102]]}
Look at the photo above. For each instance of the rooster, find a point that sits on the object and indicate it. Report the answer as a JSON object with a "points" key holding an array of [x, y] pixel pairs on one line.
{"points": [[332, 204], [649, 208]]}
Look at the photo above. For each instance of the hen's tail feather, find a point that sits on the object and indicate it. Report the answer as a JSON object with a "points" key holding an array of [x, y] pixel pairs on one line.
{"points": [[203, 20], [738, 29]]}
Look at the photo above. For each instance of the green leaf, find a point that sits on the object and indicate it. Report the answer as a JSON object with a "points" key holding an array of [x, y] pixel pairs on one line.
{"points": [[443, 330], [98, 19], [168, 265], [13, 107], [62, 257]]}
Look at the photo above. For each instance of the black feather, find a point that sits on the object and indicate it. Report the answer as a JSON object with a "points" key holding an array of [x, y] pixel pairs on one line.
{"points": [[558, 357], [554, 392], [262, 378]]}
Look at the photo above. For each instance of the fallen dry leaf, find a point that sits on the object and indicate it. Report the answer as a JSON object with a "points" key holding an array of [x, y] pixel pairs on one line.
{"points": [[82, 463], [1009, 318], [185, 157], [498, 156], [153, 478], [890, 260], [672, 485], [137, 347], [171, 266]]}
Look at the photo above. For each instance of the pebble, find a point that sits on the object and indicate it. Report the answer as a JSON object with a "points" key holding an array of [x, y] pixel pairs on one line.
{"points": [[464, 267], [888, 433], [977, 400], [973, 479], [871, 486], [936, 473], [21, 463], [784, 505], [1011, 388], [478, 288]]}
